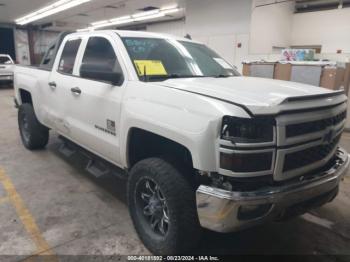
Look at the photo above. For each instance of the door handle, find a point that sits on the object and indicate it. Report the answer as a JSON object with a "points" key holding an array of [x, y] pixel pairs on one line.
{"points": [[76, 90], [52, 84]]}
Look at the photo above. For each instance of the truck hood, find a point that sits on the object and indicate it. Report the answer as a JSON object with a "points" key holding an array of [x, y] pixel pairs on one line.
{"points": [[258, 95]]}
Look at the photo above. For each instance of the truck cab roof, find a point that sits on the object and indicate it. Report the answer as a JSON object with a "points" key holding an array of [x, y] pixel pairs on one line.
{"points": [[141, 34], [49, 57]]}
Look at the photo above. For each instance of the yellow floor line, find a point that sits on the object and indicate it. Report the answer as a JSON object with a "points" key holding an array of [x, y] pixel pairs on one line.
{"points": [[25, 216], [3, 200]]}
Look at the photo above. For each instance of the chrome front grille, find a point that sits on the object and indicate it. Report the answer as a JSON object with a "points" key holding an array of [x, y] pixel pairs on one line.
{"points": [[302, 142], [307, 141], [314, 126], [309, 156]]}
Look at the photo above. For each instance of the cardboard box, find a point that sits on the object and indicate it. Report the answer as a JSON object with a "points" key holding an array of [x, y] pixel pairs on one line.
{"points": [[283, 71], [339, 78], [332, 78], [347, 78], [259, 69], [306, 74], [246, 69]]}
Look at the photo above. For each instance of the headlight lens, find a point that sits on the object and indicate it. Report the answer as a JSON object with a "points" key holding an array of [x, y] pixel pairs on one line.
{"points": [[247, 130]]}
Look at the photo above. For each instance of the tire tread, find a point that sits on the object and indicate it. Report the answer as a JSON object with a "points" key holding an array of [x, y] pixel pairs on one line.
{"points": [[182, 198]]}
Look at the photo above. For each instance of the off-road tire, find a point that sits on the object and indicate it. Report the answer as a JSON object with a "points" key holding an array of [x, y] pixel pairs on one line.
{"points": [[184, 229], [33, 134]]}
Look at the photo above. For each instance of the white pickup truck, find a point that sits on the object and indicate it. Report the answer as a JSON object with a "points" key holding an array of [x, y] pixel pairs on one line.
{"points": [[6, 68], [202, 146]]}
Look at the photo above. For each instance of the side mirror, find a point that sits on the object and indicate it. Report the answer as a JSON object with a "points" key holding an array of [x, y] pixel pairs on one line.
{"points": [[101, 73]]}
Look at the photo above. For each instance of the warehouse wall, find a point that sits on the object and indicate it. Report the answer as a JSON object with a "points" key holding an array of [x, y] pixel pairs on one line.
{"points": [[262, 27], [330, 28], [275, 25], [22, 47], [220, 17], [174, 28], [271, 26], [220, 24], [42, 40]]}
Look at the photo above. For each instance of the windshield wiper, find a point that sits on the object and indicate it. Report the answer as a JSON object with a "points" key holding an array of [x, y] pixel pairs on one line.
{"points": [[165, 77], [222, 76]]}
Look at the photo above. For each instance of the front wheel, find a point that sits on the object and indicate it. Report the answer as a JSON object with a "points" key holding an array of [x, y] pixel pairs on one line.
{"points": [[162, 207]]}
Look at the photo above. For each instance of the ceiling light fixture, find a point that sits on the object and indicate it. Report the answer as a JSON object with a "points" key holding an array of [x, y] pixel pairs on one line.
{"points": [[170, 11], [116, 22], [99, 22], [127, 17], [142, 18], [174, 6], [147, 15], [52, 9], [85, 29]]}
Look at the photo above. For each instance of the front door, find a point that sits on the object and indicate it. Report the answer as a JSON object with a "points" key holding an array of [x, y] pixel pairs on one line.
{"points": [[93, 105]]}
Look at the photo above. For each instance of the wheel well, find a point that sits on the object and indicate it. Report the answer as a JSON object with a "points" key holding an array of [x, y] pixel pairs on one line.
{"points": [[143, 144], [26, 97]]}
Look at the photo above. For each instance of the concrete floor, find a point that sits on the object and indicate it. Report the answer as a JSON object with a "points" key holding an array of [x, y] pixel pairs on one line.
{"points": [[50, 205]]}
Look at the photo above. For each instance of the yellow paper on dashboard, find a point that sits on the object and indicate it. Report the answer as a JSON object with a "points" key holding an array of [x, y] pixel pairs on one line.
{"points": [[152, 67]]}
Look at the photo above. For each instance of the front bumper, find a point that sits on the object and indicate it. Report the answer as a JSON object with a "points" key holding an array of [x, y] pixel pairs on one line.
{"points": [[222, 211]]}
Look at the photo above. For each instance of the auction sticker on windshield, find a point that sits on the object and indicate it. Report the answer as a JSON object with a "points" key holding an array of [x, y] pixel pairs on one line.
{"points": [[152, 67]]}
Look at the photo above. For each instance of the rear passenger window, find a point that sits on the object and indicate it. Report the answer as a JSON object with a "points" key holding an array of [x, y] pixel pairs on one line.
{"points": [[49, 56], [68, 57], [100, 54]]}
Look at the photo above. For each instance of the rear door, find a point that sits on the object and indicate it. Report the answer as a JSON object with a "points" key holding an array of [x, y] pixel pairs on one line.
{"points": [[94, 106], [60, 81]]}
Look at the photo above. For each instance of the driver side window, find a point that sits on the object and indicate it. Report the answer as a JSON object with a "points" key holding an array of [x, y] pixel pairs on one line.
{"points": [[100, 56]]}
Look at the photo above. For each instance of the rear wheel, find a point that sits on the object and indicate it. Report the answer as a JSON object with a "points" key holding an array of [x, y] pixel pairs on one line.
{"points": [[162, 207], [33, 134]]}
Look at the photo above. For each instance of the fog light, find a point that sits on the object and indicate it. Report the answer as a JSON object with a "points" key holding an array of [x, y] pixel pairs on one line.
{"points": [[246, 162], [253, 211]]}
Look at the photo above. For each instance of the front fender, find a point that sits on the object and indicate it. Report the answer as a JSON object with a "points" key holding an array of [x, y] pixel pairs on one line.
{"points": [[191, 120]]}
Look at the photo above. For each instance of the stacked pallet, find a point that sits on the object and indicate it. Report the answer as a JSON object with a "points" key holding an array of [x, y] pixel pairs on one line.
{"points": [[329, 75]]}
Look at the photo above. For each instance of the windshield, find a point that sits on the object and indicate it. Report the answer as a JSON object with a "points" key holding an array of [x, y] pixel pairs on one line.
{"points": [[5, 60], [160, 59]]}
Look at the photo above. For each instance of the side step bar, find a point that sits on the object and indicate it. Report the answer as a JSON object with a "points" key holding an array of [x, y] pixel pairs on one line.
{"points": [[97, 169], [96, 166]]}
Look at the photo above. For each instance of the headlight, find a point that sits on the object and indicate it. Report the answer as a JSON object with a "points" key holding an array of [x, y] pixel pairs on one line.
{"points": [[247, 130]]}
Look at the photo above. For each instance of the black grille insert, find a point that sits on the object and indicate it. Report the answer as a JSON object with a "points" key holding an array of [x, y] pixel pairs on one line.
{"points": [[254, 162], [314, 126], [308, 156]]}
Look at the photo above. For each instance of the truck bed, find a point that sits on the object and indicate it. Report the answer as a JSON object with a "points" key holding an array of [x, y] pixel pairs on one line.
{"points": [[30, 78]]}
